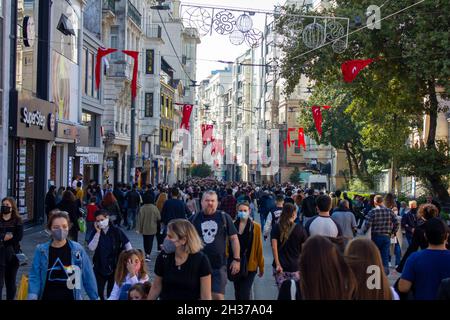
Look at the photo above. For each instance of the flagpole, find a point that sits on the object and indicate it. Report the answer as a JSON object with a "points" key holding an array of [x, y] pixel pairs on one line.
{"points": [[132, 142]]}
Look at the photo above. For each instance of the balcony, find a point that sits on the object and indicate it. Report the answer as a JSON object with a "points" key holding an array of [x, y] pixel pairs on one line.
{"points": [[153, 31], [134, 14], [109, 5], [119, 69]]}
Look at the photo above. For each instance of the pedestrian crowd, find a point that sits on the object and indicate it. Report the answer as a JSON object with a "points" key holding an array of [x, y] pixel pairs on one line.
{"points": [[209, 233]]}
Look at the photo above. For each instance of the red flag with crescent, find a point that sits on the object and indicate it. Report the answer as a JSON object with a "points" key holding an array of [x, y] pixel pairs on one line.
{"points": [[301, 138], [187, 110], [351, 68], [287, 142], [317, 115], [135, 56], [101, 52], [207, 133]]}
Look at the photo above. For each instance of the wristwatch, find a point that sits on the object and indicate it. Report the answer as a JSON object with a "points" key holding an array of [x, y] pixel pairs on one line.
{"points": [[237, 259]]}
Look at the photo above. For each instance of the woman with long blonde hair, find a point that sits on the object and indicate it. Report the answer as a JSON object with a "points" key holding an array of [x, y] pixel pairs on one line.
{"points": [[182, 270], [360, 254]]}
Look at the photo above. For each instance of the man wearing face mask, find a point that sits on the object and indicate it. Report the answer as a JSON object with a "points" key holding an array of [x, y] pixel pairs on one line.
{"points": [[251, 252], [214, 227], [107, 242]]}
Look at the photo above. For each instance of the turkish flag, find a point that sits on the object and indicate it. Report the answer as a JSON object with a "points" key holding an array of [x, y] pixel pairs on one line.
{"points": [[301, 138], [351, 68], [287, 142], [217, 147], [135, 56], [317, 115], [101, 52], [207, 133], [187, 110]]}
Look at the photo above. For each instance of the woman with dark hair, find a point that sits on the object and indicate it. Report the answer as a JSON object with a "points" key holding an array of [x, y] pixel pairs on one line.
{"points": [[50, 200], [70, 205], [11, 232], [110, 204], [389, 202], [361, 254], [56, 260], [419, 240], [287, 238], [324, 274], [59, 194]]}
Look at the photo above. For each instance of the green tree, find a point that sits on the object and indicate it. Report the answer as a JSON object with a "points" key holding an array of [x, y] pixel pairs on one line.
{"points": [[414, 48], [201, 171], [295, 176]]}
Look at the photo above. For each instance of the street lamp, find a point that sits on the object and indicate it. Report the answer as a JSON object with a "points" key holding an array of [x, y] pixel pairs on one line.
{"points": [[160, 5]]}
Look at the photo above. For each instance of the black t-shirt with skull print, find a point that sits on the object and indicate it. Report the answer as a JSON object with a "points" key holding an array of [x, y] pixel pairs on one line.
{"points": [[214, 234]]}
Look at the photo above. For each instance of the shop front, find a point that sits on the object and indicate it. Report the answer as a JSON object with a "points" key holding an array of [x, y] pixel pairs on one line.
{"points": [[32, 129]]}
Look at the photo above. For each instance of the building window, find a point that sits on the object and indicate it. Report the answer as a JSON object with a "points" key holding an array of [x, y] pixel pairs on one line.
{"points": [[117, 126], [148, 112], [162, 111], [240, 101], [296, 147], [161, 136], [90, 120], [167, 108], [121, 128], [84, 71]]}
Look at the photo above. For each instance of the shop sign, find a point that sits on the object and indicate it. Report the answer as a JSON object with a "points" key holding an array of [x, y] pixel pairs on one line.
{"points": [[36, 119], [91, 158]]}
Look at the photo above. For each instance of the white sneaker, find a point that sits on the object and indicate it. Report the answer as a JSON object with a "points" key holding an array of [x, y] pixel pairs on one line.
{"points": [[147, 257]]}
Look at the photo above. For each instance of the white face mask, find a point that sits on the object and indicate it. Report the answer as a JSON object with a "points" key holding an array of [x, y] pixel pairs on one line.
{"points": [[104, 223]]}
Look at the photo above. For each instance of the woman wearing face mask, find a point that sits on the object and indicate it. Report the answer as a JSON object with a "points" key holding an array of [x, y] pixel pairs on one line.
{"points": [[57, 262], [250, 240], [131, 269], [11, 232], [182, 271], [107, 242]]}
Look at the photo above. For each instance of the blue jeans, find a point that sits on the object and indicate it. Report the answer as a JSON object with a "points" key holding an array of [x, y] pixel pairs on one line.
{"points": [[383, 242], [263, 220], [131, 218], [409, 237], [397, 253]]}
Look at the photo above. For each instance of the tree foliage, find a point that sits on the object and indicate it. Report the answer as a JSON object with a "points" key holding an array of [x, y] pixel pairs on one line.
{"points": [[374, 115], [295, 176]]}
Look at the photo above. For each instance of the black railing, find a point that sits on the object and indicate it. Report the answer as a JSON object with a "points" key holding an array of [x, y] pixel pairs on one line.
{"points": [[109, 5], [134, 14], [153, 31]]}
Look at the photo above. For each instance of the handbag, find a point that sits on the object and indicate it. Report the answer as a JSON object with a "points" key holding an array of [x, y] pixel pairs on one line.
{"points": [[243, 270], [22, 292]]}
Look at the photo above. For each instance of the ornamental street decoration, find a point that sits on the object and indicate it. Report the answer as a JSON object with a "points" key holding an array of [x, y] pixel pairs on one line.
{"points": [[239, 26]]}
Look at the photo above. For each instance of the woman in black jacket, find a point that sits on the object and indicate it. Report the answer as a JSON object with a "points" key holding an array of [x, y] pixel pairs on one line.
{"points": [[70, 204], [11, 232], [50, 200], [426, 212]]}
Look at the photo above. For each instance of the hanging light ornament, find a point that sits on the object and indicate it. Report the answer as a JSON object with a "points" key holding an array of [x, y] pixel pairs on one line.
{"points": [[198, 18], [253, 38], [313, 35], [244, 23], [237, 37], [224, 22]]}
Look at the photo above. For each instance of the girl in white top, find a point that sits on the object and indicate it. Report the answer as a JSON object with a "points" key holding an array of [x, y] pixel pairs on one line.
{"points": [[131, 269]]}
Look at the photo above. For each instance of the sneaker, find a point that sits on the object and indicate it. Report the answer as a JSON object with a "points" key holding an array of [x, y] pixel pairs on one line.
{"points": [[147, 257]]}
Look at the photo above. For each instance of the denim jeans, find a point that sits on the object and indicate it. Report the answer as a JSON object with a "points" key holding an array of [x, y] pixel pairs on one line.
{"points": [[409, 237], [383, 242], [131, 217], [397, 252]]}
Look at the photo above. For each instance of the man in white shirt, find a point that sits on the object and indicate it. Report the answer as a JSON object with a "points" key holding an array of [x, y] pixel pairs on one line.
{"points": [[322, 224]]}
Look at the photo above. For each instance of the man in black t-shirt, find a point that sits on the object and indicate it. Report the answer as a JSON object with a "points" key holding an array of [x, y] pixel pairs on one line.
{"points": [[214, 227]]}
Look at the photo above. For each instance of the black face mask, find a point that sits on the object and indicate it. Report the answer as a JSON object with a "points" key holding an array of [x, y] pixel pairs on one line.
{"points": [[5, 210]]}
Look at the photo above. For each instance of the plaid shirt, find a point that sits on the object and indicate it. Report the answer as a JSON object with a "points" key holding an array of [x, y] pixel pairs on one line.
{"points": [[382, 220]]}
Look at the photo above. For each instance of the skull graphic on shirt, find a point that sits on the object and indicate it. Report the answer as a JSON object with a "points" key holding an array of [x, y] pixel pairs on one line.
{"points": [[209, 231]]}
